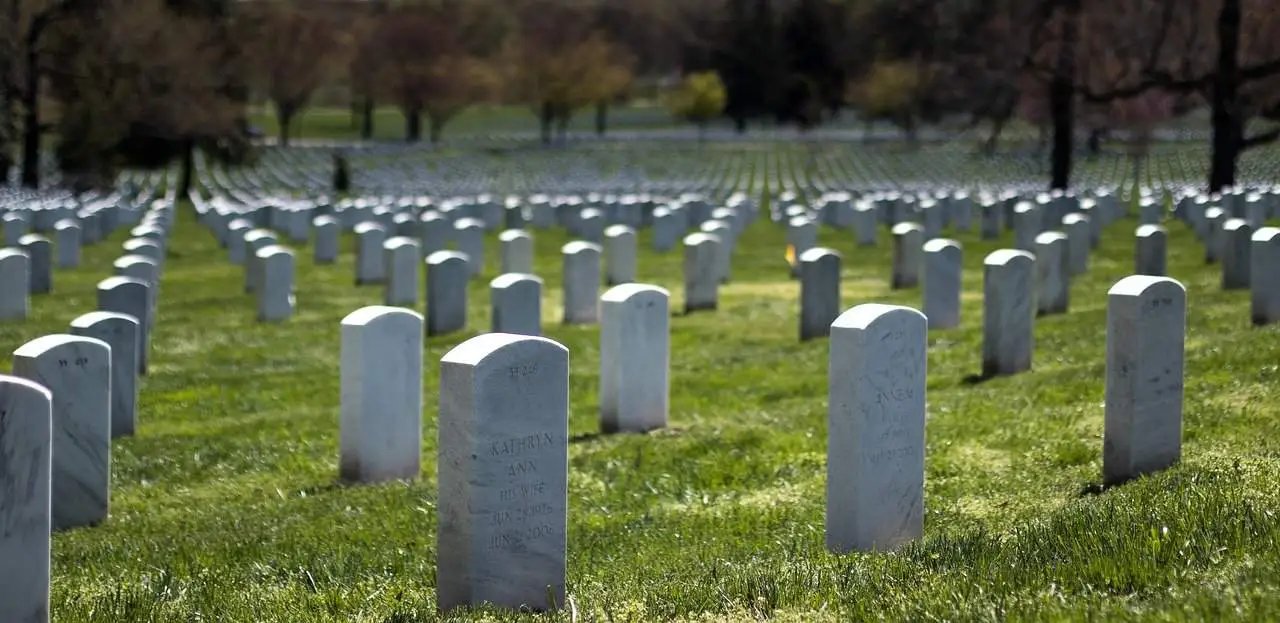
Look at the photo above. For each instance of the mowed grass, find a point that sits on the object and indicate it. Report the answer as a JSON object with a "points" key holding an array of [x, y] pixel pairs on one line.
{"points": [[226, 505]]}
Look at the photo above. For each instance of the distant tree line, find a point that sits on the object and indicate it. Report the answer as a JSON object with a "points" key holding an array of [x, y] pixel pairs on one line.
{"points": [[119, 83]]}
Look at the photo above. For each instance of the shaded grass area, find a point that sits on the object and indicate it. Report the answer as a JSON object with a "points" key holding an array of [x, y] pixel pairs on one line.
{"points": [[226, 505]]}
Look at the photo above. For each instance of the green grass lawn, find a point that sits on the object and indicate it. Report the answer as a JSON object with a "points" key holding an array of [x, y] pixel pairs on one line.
{"points": [[226, 505]]}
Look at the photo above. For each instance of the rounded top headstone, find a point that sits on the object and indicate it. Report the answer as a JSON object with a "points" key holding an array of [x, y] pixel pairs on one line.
{"points": [[509, 279], [1050, 237], [399, 242], [1003, 257], [1137, 285], [512, 234], [48, 343], [9, 252], [906, 228], [618, 230], [940, 244], [375, 313], [445, 257], [1264, 234], [700, 238], [368, 227], [626, 291], [1148, 230], [481, 347], [85, 321], [580, 246], [817, 254], [863, 316]]}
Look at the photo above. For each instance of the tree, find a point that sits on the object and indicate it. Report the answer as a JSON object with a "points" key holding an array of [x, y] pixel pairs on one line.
{"points": [[700, 98], [140, 84], [294, 52], [891, 91], [559, 62], [421, 61]]}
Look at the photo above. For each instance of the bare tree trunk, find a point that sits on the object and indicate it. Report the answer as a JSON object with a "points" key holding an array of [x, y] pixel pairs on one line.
{"points": [[545, 118], [412, 125], [31, 114], [284, 118], [990, 145], [1227, 118], [366, 125], [1062, 100], [435, 125], [187, 172]]}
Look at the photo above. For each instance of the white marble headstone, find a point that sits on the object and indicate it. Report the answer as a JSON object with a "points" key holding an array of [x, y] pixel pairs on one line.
{"points": [[516, 300], [402, 257], [581, 283], [1146, 329], [908, 245], [517, 251], [634, 358], [943, 270], [15, 284], [1008, 312], [77, 372], [875, 428], [701, 277], [447, 275], [121, 332], [1265, 286], [503, 473], [619, 254], [381, 421], [26, 416], [819, 292]]}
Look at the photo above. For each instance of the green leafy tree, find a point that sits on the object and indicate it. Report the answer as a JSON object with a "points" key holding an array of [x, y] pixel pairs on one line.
{"points": [[700, 98]]}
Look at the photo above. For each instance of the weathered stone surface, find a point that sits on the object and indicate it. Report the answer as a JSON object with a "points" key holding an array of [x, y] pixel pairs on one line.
{"points": [[130, 296], [908, 251], [67, 236], [517, 304], [701, 281], [634, 358], [122, 333], [1008, 317], [1026, 225], [1053, 283], [469, 235], [1237, 245], [15, 284], [875, 429], [327, 237], [402, 258], [1077, 228], [503, 473], [381, 436], [26, 424], [1265, 286], [819, 292], [77, 372], [447, 275], [370, 264], [1146, 329], [40, 250], [581, 282], [943, 270], [1149, 251], [276, 266], [517, 251], [619, 254]]}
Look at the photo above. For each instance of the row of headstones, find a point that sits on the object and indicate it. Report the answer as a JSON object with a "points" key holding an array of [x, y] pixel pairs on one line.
{"points": [[1027, 219], [395, 261], [503, 425], [69, 395], [28, 268], [1248, 251], [434, 229]]}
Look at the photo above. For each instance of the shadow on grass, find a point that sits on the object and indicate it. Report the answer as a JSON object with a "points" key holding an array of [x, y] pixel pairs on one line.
{"points": [[978, 379], [1094, 488]]}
